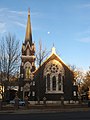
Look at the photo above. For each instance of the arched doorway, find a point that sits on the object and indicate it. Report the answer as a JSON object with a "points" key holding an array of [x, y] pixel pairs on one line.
{"points": [[12, 94]]}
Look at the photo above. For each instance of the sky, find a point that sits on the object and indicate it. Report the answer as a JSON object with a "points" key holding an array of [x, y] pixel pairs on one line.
{"points": [[64, 23]]}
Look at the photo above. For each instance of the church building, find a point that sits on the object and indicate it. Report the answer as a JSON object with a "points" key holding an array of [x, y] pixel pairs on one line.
{"points": [[52, 80]]}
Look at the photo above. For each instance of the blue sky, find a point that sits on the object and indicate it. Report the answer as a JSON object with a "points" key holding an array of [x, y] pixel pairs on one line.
{"points": [[66, 23]]}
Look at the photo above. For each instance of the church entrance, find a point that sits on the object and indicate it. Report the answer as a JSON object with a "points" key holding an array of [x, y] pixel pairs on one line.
{"points": [[26, 90], [26, 93], [12, 94]]}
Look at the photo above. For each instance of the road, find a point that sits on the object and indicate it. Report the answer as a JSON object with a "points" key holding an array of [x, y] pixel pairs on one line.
{"points": [[84, 115]]}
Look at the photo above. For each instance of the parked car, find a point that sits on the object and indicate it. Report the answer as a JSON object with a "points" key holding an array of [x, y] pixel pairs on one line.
{"points": [[21, 102]]}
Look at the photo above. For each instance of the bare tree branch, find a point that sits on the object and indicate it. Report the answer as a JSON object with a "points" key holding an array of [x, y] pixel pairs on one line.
{"points": [[10, 55]]}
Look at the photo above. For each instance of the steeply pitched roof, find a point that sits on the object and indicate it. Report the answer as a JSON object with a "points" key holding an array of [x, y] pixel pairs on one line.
{"points": [[52, 56]]}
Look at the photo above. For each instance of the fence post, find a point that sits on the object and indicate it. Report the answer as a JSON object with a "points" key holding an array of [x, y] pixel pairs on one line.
{"points": [[0, 104], [62, 100], [26, 102], [16, 102], [44, 100]]}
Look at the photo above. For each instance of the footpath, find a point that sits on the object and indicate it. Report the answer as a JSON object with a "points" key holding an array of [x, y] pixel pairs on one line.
{"points": [[49, 108]]}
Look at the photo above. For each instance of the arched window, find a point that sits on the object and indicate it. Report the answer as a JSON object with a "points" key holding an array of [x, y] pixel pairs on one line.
{"points": [[28, 52], [48, 82], [27, 67], [54, 83], [54, 73], [59, 82], [63, 78], [27, 72]]}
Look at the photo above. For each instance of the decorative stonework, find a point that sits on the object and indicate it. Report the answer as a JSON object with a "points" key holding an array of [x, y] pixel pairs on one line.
{"points": [[27, 64], [54, 75], [27, 61], [26, 87], [54, 68]]}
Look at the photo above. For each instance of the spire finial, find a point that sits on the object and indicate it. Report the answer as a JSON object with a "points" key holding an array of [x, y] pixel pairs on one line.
{"points": [[28, 11], [53, 49], [53, 44]]}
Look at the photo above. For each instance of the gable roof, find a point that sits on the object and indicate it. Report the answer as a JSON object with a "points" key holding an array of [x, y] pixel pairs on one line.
{"points": [[52, 56]]}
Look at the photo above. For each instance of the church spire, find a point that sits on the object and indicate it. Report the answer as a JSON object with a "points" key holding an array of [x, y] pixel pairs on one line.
{"points": [[28, 36]]}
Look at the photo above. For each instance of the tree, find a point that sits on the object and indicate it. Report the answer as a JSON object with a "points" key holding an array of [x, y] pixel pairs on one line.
{"points": [[40, 56], [13, 55], [87, 78], [79, 75], [10, 56], [86, 85], [3, 61], [9, 59]]}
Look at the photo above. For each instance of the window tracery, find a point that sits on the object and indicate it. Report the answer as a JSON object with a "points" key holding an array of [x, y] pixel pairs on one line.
{"points": [[54, 73], [27, 68]]}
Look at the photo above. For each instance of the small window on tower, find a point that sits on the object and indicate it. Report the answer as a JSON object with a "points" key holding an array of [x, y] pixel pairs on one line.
{"points": [[28, 53], [33, 93], [33, 83], [27, 72]]}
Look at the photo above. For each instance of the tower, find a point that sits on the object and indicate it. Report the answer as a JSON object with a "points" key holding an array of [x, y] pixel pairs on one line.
{"points": [[27, 61]]}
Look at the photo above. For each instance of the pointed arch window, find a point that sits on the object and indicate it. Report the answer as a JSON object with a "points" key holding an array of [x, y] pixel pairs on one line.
{"points": [[54, 83], [28, 52], [59, 82], [27, 72], [54, 73], [27, 67], [48, 82]]}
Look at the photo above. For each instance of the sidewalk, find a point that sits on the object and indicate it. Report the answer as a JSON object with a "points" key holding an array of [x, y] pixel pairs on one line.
{"points": [[30, 111], [46, 109]]}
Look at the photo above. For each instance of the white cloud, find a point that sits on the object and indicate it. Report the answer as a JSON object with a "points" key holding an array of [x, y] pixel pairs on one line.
{"points": [[2, 24], [3, 9], [11, 18], [17, 12], [20, 24], [2, 27], [84, 6], [36, 14], [85, 40]]}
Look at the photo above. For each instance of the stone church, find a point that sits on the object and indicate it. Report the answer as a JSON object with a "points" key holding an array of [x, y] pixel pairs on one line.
{"points": [[52, 80]]}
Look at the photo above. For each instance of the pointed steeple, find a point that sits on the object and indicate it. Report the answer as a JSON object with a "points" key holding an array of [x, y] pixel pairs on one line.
{"points": [[28, 36]]}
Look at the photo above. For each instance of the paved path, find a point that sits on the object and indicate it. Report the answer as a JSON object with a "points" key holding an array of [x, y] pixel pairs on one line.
{"points": [[44, 109], [84, 115], [27, 111]]}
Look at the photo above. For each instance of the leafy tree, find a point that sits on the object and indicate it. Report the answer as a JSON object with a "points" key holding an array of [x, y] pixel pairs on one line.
{"points": [[86, 84], [78, 74], [79, 77], [87, 78]]}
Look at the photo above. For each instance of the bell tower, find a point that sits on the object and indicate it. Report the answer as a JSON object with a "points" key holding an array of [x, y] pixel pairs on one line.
{"points": [[27, 60]]}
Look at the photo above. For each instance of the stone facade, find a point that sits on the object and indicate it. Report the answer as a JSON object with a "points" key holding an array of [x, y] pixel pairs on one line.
{"points": [[52, 80], [27, 63]]}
